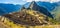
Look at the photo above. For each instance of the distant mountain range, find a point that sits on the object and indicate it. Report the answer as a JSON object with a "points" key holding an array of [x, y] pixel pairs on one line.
{"points": [[48, 5], [8, 8]]}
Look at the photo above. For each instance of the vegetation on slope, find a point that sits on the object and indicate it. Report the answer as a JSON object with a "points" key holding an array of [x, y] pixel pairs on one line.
{"points": [[32, 13]]}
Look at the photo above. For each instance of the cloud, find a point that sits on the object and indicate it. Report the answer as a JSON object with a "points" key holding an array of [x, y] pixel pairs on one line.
{"points": [[24, 1], [42, 0], [28, 0]]}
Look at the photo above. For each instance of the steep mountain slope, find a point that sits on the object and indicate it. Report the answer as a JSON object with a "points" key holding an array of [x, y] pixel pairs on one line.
{"points": [[48, 5], [41, 9], [31, 16], [56, 13], [27, 4]]}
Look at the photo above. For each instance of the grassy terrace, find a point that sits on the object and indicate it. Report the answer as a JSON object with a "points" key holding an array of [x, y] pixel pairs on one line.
{"points": [[6, 23]]}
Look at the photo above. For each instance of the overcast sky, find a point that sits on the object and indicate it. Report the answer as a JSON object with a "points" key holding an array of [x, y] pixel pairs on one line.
{"points": [[24, 1]]}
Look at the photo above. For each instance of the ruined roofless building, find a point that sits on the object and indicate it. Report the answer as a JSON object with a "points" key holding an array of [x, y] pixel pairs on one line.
{"points": [[29, 16]]}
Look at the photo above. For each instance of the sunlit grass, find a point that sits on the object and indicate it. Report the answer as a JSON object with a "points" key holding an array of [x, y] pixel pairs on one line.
{"points": [[11, 24]]}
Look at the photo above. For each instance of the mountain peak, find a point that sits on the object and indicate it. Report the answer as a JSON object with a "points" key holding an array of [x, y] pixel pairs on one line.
{"points": [[33, 3], [36, 7]]}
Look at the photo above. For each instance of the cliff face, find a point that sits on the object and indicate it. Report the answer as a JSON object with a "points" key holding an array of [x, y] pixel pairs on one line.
{"points": [[41, 9]]}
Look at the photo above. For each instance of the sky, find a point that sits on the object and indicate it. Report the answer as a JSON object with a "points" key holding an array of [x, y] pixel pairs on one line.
{"points": [[13, 1], [24, 1], [42, 0]]}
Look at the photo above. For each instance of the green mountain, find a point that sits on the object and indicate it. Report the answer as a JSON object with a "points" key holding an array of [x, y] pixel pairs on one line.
{"points": [[56, 13]]}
